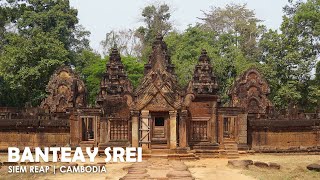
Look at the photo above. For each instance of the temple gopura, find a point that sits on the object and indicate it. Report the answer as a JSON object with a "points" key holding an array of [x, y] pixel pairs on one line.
{"points": [[159, 115]]}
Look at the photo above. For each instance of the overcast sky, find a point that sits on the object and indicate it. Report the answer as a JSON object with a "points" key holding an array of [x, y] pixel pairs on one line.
{"points": [[102, 16]]}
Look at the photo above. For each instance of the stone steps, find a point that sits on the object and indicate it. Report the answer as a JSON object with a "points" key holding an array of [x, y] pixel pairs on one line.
{"points": [[159, 146], [162, 151], [231, 149], [204, 146], [85, 144], [206, 153], [205, 149], [189, 156]]}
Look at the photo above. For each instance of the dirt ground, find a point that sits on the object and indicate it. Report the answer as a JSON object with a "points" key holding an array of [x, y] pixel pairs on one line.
{"points": [[293, 166]]}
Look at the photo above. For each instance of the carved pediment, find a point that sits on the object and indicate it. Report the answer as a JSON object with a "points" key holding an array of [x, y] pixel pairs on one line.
{"points": [[158, 103], [65, 90], [250, 91], [159, 81]]}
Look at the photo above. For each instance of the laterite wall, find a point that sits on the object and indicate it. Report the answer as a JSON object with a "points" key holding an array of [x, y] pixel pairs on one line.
{"points": [[33, 139]]}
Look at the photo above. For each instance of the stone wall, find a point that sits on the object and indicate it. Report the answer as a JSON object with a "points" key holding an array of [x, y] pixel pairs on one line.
{"points": [[284, 135], [201, 108], [280, 141], [33, 139], [33, 129]]}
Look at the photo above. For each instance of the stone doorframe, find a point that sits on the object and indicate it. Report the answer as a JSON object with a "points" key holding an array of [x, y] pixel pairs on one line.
{"points": [[75, 118], [141, 129], [155, 130], [235, 129], [95, 127]]}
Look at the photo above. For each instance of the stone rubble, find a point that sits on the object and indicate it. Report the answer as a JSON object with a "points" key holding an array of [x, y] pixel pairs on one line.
{"points": [[158, 169]]}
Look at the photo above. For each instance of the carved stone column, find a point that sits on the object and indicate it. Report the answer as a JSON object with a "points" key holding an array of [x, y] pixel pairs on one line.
{"points": [[74, 130], [145, 131], [103, 130], [173, 129], [183, 129], [213, 124], [97, 130], [135, 128], [220, 129]]}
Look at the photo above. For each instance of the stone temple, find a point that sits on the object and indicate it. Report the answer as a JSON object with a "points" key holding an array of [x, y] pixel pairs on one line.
{"points": [[159, 115]]}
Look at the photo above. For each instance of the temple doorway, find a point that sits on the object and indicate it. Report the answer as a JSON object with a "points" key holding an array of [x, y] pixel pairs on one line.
{"points": [[229, 127], [88, 128], [159, 130]]}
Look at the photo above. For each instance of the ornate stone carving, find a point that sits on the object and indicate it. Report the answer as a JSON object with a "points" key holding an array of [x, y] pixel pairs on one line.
{"points": [[115, 81], [65, 90], [115, 90], [159, 86], [250, 92], [204, 81]]}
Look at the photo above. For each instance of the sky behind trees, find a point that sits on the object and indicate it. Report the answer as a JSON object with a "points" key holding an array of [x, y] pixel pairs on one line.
{"points": [[101, 16]]}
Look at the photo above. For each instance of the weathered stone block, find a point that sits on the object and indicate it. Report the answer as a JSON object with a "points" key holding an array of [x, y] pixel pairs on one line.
{"points": [[137, 171], [261, 164], [240, 163], [180, 174], [180, 168], [135, 176], [274, 165], [314, 167]]}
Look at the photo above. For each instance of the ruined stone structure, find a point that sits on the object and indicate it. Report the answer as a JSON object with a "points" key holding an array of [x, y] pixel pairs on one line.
{"points": [[158, 114], [65, 90], [250, 92]]}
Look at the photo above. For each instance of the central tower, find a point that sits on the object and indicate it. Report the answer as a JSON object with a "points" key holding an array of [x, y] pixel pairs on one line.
{"points": [[157, 100]]}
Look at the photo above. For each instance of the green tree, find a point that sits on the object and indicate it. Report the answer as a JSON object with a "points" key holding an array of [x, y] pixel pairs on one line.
{"points": [[287, 95], [156, 21], [304, 17], [134, 69], [39, 36], [27, 64], [52, 16], [240, 22], [95, 67], [92, 73], [288, 59], [227, 59]]}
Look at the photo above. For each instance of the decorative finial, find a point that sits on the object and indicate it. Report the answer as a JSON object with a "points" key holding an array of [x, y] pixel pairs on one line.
{"points": [[114, 55], [159, 37], [203, 52], [204, 56]]}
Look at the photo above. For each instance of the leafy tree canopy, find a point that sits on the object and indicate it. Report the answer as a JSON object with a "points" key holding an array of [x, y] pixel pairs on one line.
{"points": [[39, 36]]}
